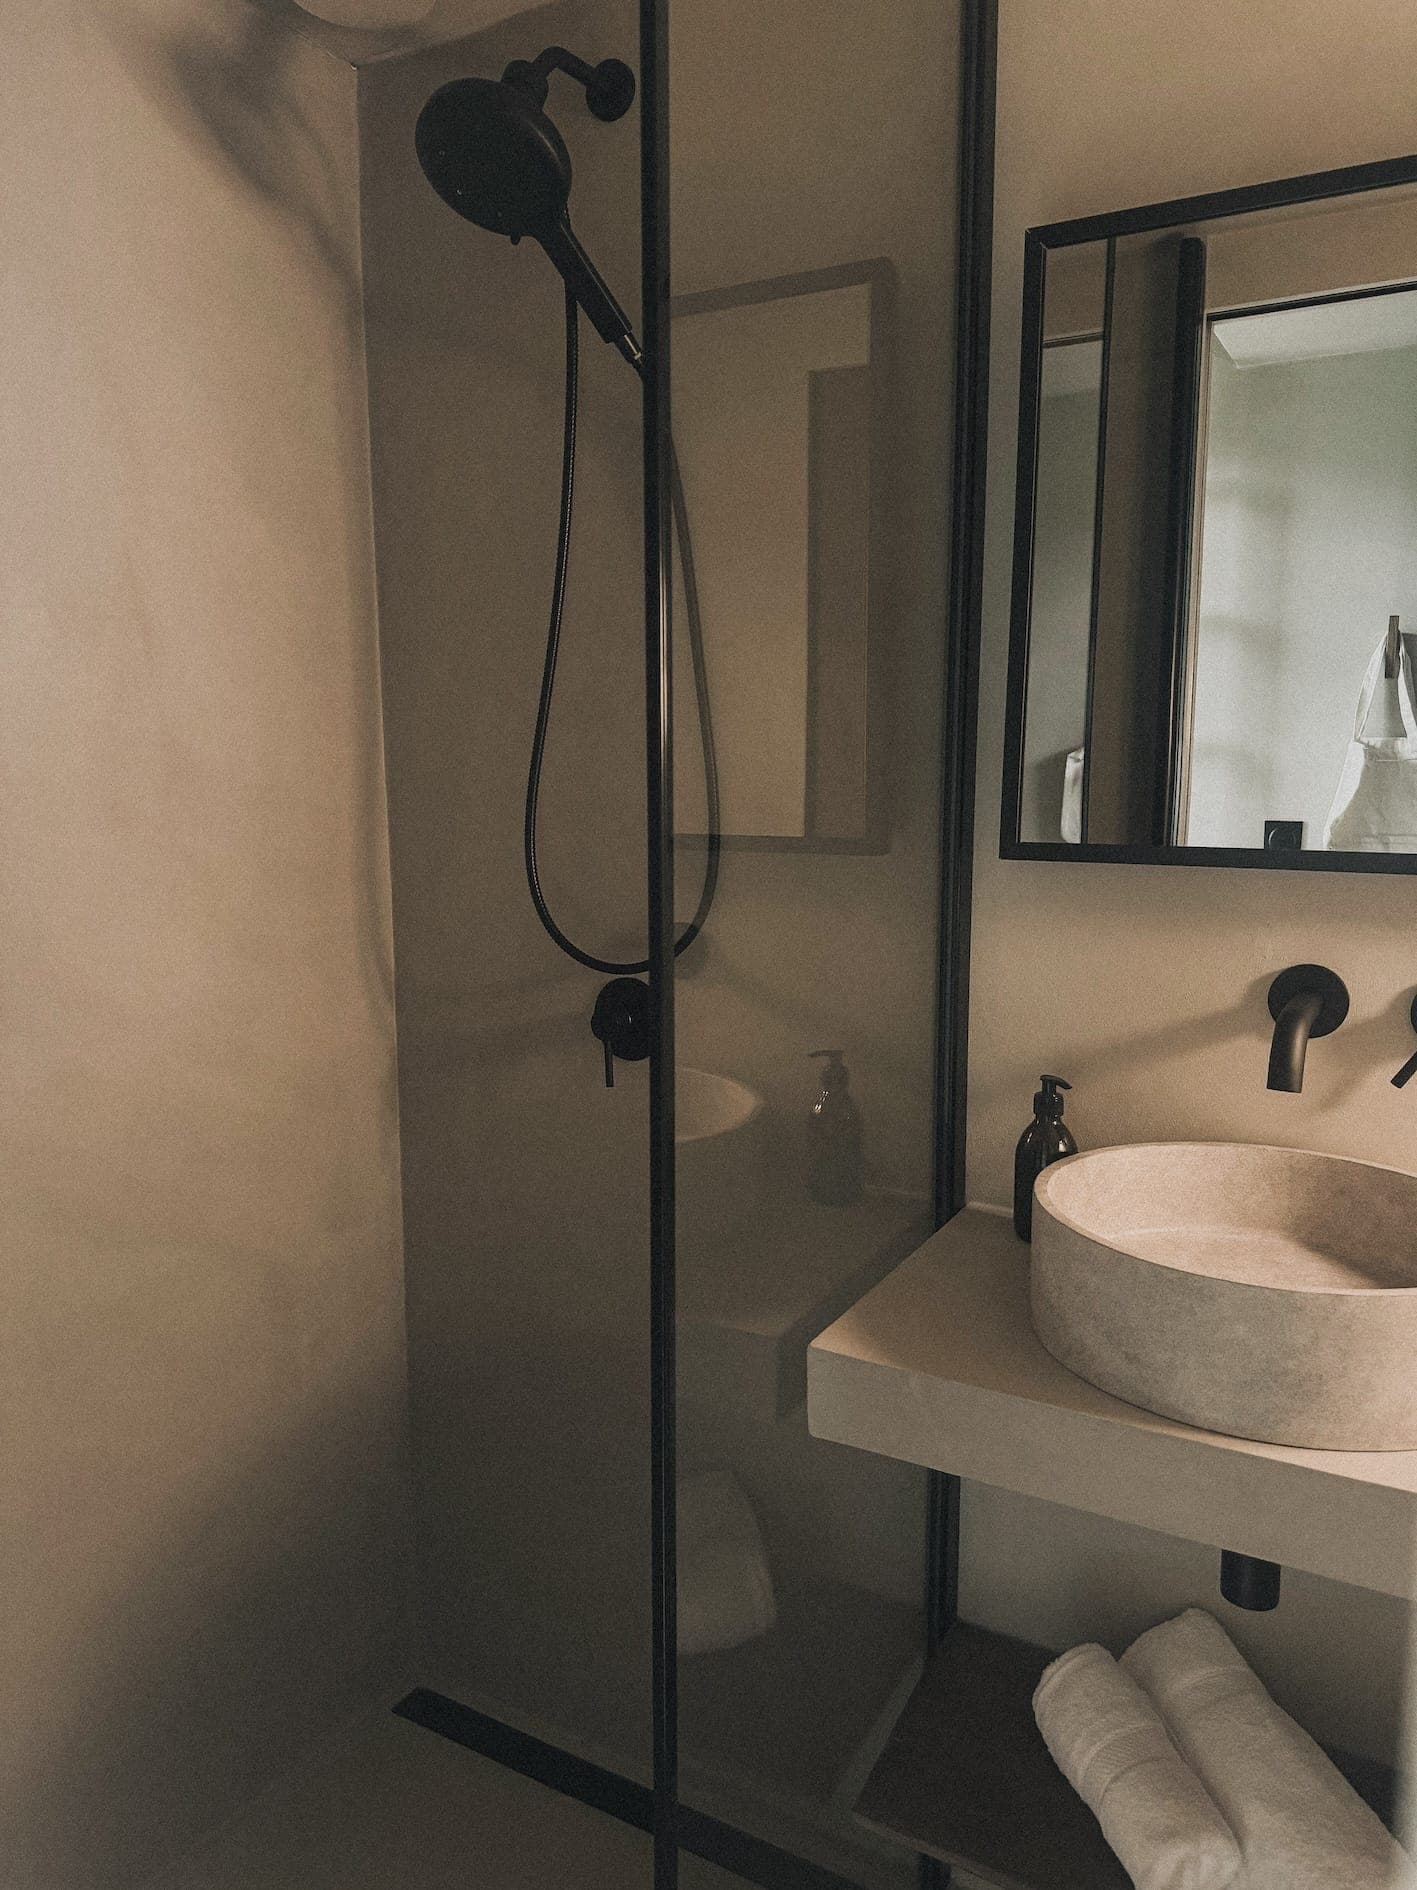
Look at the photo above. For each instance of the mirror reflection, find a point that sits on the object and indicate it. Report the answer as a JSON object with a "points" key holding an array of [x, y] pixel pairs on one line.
{"points": [[776, 388], [1309, 482], [1221, 573]]}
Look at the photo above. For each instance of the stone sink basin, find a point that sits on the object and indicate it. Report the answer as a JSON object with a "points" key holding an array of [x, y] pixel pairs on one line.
{"points": [[1263, 1292]]}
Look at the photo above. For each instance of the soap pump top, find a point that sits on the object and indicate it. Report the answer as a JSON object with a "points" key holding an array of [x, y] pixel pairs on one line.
{"points": [[834, 1155], [1047, 1139], [1048, 1104]]}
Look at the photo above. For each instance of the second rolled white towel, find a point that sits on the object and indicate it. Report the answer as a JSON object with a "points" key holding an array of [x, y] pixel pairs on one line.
{"points": [[1300, 1824], [1111, 1746]]}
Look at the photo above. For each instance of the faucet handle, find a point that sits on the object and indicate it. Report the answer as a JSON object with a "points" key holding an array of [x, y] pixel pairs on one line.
{"points": [[621, 1021], [1409, 1068]]}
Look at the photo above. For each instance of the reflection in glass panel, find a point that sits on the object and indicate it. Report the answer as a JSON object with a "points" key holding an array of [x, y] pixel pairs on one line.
{"points": [[777, 394], [812, 266]]}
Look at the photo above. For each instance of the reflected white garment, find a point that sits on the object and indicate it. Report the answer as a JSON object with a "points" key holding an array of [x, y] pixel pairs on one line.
{"points": [[1072, 796], [1375, 807]]}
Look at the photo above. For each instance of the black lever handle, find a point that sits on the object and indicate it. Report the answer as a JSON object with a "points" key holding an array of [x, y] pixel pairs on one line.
{"points": [[621, 1022], [1409, 1068]]}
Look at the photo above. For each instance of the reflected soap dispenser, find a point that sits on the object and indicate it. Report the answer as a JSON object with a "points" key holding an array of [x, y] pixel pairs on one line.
{"points": [[1046, 1139], [835, 1173]]}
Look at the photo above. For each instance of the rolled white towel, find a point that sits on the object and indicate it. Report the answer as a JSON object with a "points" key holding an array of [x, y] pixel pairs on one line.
{"points": [[1112, 1748], [1300, 1824], [725, 1585]]}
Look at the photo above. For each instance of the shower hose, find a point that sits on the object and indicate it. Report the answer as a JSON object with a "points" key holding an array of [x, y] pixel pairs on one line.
{"points": [[615, 968]]}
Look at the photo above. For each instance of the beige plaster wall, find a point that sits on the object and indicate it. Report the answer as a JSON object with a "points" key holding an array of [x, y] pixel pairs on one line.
{"points": [[201, 1328], [1146, 986]]}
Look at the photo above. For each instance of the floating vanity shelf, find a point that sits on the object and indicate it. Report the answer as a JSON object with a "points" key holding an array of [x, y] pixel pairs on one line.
{"points": [[938, 1365], [965, 1776]]}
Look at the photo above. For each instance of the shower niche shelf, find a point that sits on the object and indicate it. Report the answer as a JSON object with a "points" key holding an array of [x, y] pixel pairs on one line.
{"points": [[965, 1776], [939, 1365]]}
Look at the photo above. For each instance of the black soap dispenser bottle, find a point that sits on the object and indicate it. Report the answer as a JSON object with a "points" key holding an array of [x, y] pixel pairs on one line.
{"points": [[835, 1174], [1046, 1139]]}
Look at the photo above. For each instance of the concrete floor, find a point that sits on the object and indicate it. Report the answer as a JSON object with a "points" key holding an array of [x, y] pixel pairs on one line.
{"points": [[398, 1808]]}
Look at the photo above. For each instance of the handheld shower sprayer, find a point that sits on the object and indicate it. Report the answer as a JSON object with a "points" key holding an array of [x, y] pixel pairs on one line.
{"points": [[492, 154], [490, 151]]}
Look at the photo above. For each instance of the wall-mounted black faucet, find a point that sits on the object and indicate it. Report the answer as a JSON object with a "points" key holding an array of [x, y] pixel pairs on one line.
{"points": [[1409, 1068], [622, 1023], [1305, 1001]]}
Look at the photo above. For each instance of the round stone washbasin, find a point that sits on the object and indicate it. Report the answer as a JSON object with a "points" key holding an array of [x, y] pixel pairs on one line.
{"points": [[720, 1156], [1263, 1292]]}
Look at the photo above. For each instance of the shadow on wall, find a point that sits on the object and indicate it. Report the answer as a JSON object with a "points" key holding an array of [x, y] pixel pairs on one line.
{"points": [[230, 80], [232, 88], [217, 1625]]}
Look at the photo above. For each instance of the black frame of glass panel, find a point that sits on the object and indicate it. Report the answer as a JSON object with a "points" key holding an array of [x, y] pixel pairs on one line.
{"points": [[1312, 187], [974, 290], [659, 723]]}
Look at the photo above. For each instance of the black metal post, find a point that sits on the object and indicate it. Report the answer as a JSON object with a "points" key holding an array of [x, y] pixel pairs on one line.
{"points": [[654, 278], [973, 304]]}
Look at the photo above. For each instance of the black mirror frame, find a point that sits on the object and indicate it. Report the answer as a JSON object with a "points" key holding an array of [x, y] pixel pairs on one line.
{"points": [[1311, 188]]}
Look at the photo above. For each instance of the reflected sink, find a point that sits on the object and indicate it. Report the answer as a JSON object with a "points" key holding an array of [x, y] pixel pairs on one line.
{"points": [[1266, 1293], [720, 1134]]}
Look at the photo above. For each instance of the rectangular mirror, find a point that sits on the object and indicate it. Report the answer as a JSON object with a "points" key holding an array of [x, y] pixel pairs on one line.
{"points": [[777, 418], [1215, 567]]}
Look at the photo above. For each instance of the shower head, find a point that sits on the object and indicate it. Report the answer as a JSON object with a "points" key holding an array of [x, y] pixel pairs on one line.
{"points": [[492, 154]]}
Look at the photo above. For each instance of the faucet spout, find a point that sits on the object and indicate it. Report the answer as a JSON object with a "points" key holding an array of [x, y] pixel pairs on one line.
{"points": [[1305, 1001], [1292, 1030]]}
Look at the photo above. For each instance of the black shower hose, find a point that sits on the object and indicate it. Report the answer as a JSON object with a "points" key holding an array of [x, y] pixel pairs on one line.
{"points": [[616, 968]]}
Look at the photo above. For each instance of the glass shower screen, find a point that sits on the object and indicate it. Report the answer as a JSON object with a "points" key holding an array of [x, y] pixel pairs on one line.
{"points": [[809, 333]]}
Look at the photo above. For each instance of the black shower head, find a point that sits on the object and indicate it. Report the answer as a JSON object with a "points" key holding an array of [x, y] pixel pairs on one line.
{"points": [[490, 151]]}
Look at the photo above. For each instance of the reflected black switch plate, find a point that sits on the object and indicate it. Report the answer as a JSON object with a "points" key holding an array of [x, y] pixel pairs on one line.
{"points": [[1283, 836]]}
